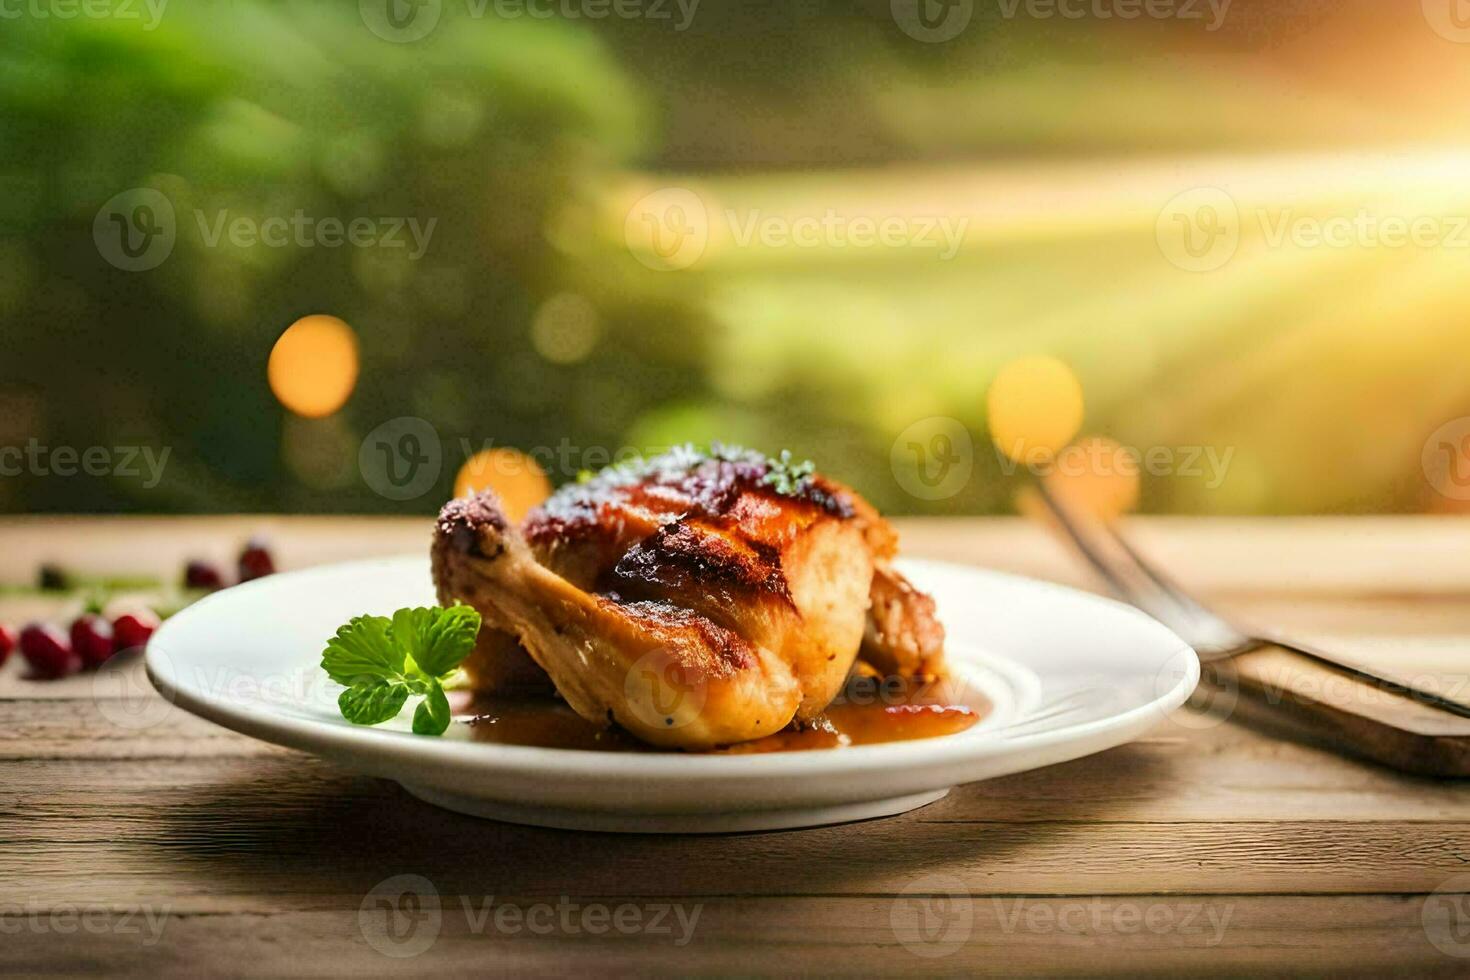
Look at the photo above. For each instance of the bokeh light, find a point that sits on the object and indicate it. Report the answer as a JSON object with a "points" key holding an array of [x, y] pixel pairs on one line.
{"points": [[1035, 408], [1096, 475], [565, 329], [515, 477], [313, 367]]}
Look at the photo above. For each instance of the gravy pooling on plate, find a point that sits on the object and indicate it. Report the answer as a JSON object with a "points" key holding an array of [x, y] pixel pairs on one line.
{"points": [[868, 711]]}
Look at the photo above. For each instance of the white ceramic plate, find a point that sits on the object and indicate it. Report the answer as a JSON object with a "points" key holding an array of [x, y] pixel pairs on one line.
{"points": [[1067, 674]]}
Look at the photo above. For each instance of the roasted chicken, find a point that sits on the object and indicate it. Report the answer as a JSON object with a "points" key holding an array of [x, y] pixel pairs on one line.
{"points": [[693, 599]]}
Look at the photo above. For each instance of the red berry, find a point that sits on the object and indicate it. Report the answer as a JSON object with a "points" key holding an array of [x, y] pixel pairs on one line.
{"points": [[7, 642], [203, 575], [255, 561], [131, 630], [47, 651], [91, 638]]}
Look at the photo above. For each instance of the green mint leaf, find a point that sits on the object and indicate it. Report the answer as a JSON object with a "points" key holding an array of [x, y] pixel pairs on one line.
{"points": [[431, 717], [383, 662], [373, 702], [362, 650], [787, 476], [437, 639]]}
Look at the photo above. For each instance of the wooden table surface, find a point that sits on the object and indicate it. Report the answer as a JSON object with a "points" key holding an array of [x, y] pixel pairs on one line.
{"points": [[181, 848]]}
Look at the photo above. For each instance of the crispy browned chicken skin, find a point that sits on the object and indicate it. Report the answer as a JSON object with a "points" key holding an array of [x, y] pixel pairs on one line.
{"points": [[694, 599]]}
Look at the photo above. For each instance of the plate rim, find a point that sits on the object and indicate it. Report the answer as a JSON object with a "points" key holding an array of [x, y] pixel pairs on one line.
{"points": [[382, 749]]}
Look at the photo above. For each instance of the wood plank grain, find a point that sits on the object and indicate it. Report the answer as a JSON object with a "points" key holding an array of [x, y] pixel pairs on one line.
{"points": [[270, 833], [844, 936], [264, 857], [1275, 556], [113, 728], [1191, 768]]}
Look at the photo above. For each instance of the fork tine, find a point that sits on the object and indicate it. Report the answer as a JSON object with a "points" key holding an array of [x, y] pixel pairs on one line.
{"points": [[1158, 578], [1084, 547], [1162, 604], [1209, 633]]}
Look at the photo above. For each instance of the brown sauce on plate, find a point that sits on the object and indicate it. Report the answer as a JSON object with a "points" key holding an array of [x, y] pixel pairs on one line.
{"points": [[867, 712]]}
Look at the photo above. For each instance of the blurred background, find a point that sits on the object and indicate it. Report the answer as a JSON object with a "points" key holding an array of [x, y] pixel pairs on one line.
{"points": [[275, 256]]}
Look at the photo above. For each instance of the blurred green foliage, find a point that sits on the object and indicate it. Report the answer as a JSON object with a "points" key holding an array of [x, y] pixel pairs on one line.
{"points": [[529, 322]]}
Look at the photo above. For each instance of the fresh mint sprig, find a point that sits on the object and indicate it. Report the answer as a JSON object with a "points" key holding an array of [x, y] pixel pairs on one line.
{"points": [[383, 661]]}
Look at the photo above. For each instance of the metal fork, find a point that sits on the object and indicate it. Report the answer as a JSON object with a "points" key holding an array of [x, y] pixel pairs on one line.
{"points": [[1215, 640]]}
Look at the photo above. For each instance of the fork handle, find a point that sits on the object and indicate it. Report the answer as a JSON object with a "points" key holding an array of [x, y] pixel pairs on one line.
{"points": [[1301, 692], [1388, 684]]}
